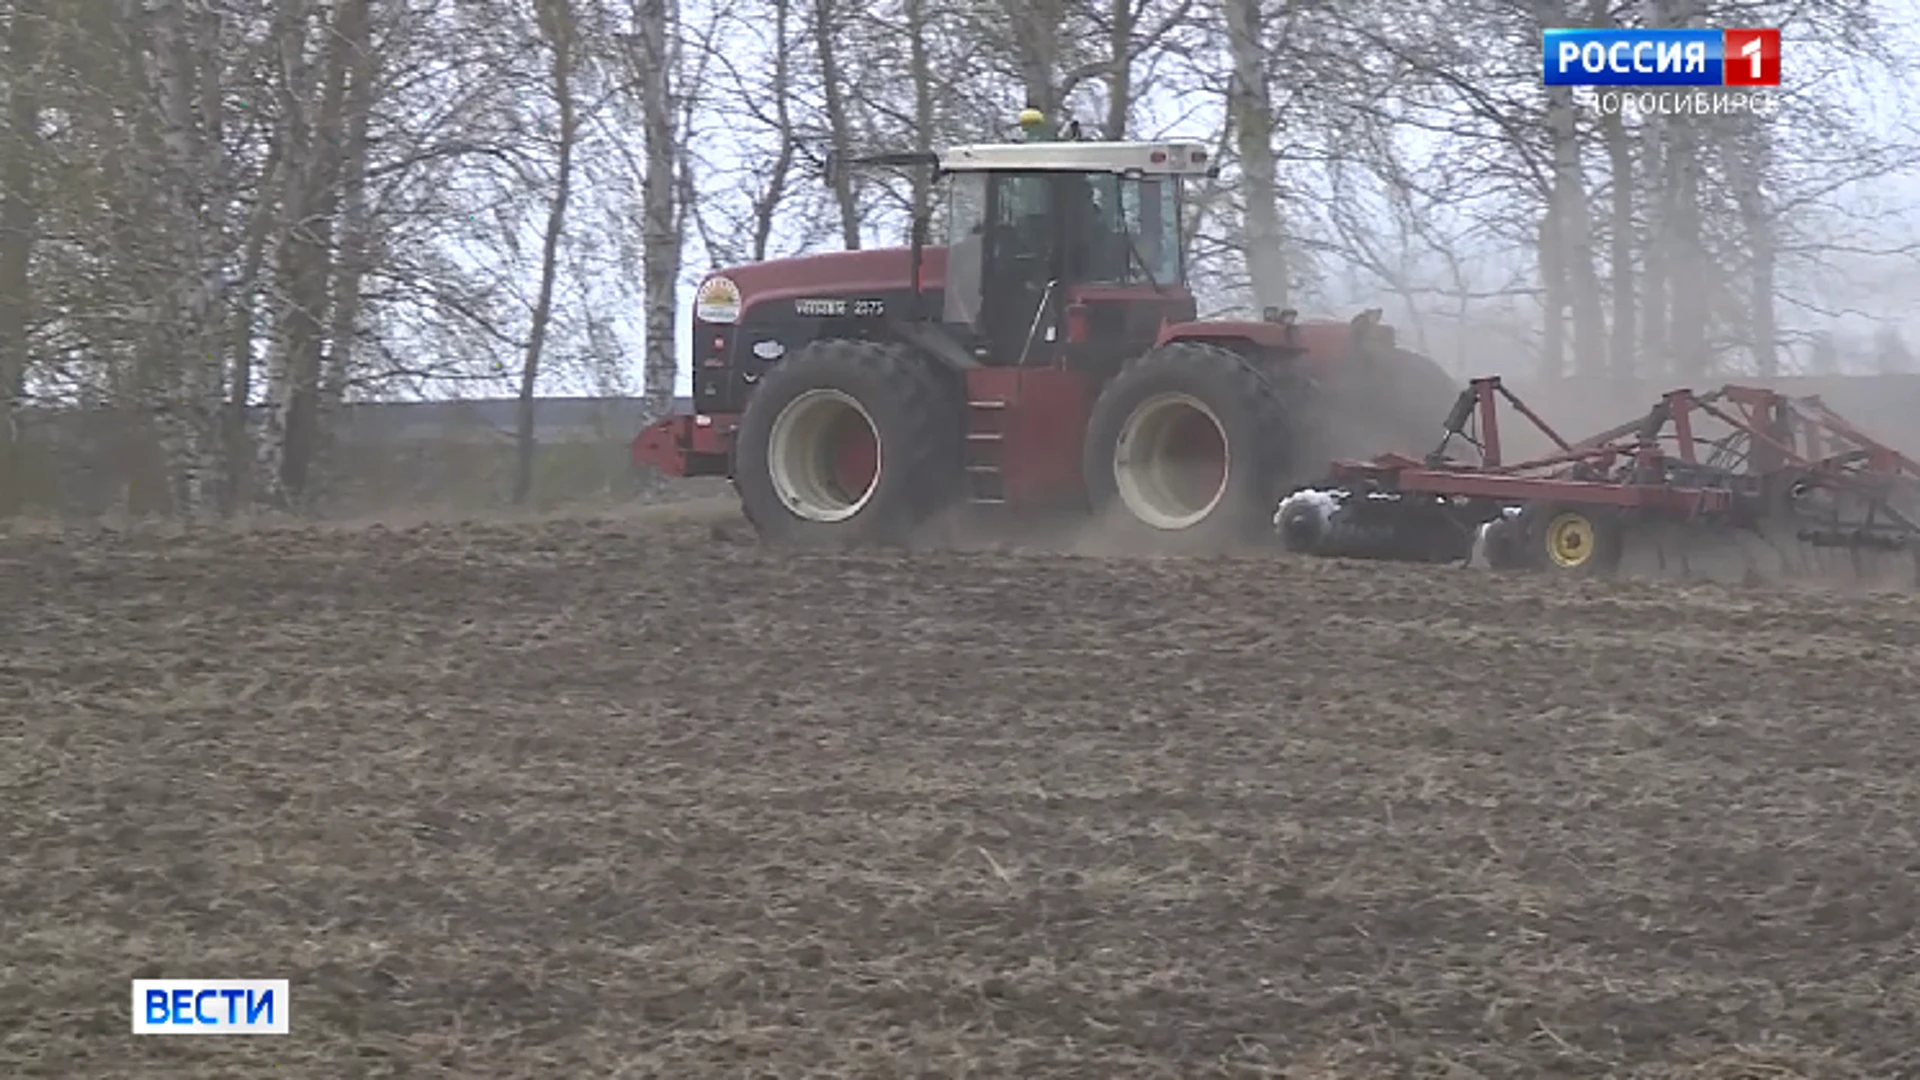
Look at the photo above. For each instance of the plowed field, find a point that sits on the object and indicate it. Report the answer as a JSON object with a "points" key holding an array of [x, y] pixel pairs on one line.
{"points": [[624, 798]]}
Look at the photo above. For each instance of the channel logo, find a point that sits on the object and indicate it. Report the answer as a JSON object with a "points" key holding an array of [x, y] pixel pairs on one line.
{"points": [[210, 1006], [1661, 57]]}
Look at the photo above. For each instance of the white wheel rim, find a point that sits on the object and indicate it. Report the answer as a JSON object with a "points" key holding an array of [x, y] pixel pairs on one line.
{"points": [[1160, 479], [804, 455]]}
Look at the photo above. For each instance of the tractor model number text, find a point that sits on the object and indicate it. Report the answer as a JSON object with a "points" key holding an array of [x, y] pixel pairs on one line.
{"points": [[859, 309]]}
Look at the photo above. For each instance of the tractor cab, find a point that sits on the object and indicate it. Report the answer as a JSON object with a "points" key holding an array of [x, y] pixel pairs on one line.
{"points": [[1064, 253]]}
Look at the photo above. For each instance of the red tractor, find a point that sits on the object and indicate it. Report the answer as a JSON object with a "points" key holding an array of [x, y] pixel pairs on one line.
{"points": [[1044, 355]]}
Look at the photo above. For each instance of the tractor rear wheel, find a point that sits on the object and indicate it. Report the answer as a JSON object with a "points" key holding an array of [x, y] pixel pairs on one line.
{"points": [[1185, 450], [1374, 402], [847, 443]]}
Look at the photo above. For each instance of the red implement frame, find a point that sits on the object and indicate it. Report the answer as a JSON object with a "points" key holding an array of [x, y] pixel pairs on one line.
{"points": [[1657, 462]]}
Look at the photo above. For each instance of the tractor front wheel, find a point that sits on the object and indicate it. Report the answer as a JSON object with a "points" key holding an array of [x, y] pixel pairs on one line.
{"points": [[847, 443], [1185, 450]]}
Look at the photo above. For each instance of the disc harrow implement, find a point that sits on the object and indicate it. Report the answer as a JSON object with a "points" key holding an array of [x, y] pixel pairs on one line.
{"points": [[1741, 483]]}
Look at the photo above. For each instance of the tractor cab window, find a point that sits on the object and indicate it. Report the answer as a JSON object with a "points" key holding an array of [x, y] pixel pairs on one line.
{"points": [[1024, 219], [965, 229], [1150, 213], [965, 213], [1129, 231]]}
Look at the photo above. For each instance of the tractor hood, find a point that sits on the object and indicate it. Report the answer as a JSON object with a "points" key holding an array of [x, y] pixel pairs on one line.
{"points": [[725, 295]]}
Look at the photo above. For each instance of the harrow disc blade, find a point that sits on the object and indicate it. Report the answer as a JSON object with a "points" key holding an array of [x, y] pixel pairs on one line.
{"points": [[1674, 551]]}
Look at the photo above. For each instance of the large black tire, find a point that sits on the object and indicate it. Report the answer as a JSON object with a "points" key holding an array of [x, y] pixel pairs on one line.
{"points": [[1152, 493], [848, 398], [1424, 395], [1374, 402]]}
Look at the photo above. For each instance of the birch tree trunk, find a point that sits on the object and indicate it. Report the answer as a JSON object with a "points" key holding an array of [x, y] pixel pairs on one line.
{"points": [[19, 221], [920, 71], [188, 345], [1553, 298], [1572, 235], [556, 19], [1656, 352], [1120, 20], [1037, 26], [350, 261], [216, 422], [1688, 274], [1621, 340], [1251, 110], [767, 206], [660, 240], [127, 193], [1747, 157], [1620, 365], [296, 318], [240, 348], [826, 45], [1685, 271], [306, 259]]}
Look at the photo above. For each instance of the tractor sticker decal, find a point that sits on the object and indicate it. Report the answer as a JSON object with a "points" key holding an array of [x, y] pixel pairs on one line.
{"points": [[833, 308], [718, 301]]}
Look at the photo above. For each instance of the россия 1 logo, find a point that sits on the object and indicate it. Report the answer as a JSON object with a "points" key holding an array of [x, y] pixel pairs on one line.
{"points": [[1692, 58]]}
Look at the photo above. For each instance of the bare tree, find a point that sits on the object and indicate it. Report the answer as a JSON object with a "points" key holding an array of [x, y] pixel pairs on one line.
{"points": [[826, 44], [19, 216], [920, 74], [312, 140], [773, 194], [1251, 112], [190, 342], [656, 32], [1620, 256], [556, 19], [356, 221]]}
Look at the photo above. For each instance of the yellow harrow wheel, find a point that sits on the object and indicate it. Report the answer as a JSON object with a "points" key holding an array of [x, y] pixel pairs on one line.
{"points": [[1570, 541], [1574, 541]]}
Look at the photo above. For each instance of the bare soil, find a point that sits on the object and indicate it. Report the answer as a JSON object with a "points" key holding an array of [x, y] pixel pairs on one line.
{"points": [[635, 798]]}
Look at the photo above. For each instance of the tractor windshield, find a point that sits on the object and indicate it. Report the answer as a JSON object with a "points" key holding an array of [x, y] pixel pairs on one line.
{"points": [[1130, 232]]}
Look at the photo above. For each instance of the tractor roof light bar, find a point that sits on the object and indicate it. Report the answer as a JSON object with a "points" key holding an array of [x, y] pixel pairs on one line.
{"points": [[1171, 159], [1120, 158]]}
